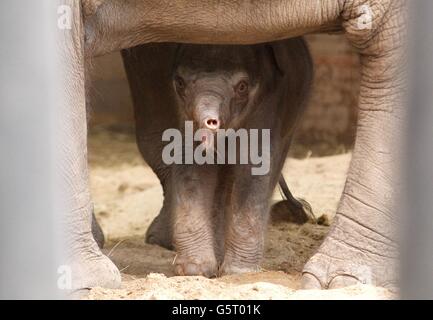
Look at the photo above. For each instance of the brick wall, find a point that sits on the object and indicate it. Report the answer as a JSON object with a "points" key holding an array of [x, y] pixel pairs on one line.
{"points": [[330, 118], [328, 124]]}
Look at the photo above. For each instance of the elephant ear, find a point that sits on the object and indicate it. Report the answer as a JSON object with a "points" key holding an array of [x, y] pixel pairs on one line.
{"points": [[176, 50], [279, 56], [289, 54]]}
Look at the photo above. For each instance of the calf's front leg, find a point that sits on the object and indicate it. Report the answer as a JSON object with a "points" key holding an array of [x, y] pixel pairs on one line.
{"points": [[193, 230], [246, 222]]}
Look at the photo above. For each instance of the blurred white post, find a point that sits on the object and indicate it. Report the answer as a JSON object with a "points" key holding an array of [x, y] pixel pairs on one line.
{"points": [[30, 92], [417, 245]]}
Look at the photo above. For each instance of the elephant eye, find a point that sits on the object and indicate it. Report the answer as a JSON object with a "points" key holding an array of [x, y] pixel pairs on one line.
{"points": [[179, 84], [242, 88]]}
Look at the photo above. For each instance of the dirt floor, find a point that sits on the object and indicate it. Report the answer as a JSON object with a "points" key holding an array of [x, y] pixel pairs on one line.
{"points": [[127, 196]]}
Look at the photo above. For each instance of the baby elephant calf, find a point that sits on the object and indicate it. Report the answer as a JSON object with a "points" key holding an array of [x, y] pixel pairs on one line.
{"points": [[217, 187]]}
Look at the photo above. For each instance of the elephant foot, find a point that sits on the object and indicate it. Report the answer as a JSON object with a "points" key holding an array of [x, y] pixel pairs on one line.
{"points": [[297, 211], [230, 268], [185, 266], [236, 264], [352, 254], [93, 269], [159, 233]]}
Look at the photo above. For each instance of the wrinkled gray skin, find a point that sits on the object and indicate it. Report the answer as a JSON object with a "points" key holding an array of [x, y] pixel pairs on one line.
{"points": [[361, 245], [216, 215]]}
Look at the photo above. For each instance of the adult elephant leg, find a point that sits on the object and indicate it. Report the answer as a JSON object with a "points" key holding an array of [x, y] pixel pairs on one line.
{"points": [[149, 71], [361, 245], [89, 267]]}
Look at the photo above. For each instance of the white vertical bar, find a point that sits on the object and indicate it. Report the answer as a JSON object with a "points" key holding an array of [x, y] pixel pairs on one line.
{"points": [[30, 238], [417, 244]]}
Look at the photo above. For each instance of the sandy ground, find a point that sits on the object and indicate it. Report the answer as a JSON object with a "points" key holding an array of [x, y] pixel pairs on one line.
{"points": [[127, 197]]}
